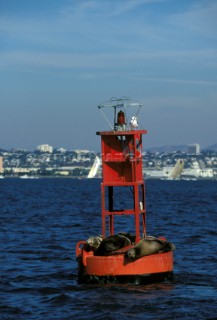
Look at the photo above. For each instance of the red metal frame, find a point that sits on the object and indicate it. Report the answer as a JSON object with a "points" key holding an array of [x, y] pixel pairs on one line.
{"points": [[122, 167]]}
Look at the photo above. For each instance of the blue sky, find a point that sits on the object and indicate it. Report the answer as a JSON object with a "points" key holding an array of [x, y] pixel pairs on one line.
{"points": [[59, 59]]}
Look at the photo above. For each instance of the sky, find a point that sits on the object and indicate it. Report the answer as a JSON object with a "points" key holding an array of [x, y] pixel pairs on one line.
{"points": [[60, 59]]}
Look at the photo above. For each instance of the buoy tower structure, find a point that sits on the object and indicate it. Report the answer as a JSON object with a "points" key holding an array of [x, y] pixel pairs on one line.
{"points": [[121, 149]]}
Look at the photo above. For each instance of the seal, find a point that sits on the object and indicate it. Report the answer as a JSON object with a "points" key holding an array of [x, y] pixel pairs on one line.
{"points": [[148, 246], [92, 243], [112, 243], [128, 235]]}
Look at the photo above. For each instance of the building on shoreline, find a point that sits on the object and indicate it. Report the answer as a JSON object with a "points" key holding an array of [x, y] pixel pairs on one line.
{"points": [[1, 165], [77, 163], [194, 148], [45, 148]]}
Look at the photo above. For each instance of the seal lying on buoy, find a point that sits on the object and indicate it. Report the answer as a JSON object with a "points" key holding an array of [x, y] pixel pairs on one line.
{"points": [[112, 243], [130, 236], [93, 243], [149, 246]]}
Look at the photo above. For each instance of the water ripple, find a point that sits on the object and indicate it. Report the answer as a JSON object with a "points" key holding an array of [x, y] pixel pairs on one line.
{"points": [[41, 222]]}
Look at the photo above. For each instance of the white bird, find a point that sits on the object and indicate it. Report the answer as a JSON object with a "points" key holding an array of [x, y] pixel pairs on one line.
{"points": [[133, 122]]}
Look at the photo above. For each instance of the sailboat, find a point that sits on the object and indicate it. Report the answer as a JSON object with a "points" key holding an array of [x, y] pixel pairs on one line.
{"points": [[177, 170], [94, 169], [167, 173]]}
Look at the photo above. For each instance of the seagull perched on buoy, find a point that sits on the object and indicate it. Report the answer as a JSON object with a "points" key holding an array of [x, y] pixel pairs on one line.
{"points": [[133, 122]]}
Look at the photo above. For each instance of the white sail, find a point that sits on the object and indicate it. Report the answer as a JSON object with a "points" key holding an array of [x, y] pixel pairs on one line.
{"points": [[94, 168], [177, 170]]}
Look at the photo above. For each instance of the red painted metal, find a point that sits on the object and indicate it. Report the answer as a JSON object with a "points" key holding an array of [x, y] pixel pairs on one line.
{"points": [[116, 265], [122, 167]]}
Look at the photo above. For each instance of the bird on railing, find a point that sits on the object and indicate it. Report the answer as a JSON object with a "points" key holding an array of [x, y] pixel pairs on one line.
{"points": [[133, 123]]}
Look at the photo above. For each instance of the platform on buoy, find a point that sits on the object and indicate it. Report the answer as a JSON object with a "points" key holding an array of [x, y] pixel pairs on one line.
{"points": [[122, 168]]}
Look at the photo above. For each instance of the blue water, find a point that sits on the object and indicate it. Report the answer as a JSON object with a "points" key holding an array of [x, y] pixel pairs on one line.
{"points": [[41, 221]]}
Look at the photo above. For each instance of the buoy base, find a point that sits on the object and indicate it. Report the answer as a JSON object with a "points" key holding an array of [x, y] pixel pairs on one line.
{"points": [[118, 269], [132, 279]]}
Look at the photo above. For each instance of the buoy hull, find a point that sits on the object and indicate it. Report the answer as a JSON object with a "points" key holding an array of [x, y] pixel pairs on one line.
{"points": [[118, 267], [126, 279]]}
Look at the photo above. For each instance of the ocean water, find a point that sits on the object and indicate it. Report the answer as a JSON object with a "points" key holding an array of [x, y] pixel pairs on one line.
{"points": [[41, 221]]}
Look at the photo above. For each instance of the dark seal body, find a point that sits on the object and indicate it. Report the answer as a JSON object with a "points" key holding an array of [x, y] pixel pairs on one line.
{"points": [[149, 246], [111, 244]]}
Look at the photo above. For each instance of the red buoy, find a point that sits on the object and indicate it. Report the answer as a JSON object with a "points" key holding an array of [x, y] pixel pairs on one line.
{"points": [[122, 168]]}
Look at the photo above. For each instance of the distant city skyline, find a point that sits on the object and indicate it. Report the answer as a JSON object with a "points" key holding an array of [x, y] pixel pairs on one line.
{"points": [[188, 148], [60, 59]]}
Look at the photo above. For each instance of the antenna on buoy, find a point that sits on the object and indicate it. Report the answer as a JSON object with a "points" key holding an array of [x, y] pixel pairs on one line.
{"points": [[121, 107]]}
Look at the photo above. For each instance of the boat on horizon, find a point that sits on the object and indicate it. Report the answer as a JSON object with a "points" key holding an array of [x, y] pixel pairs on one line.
{"points": [[26, 176], [95, 168]]}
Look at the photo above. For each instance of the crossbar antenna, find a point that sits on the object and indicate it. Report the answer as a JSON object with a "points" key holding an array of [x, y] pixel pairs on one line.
{"points": [[105, 117]]}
